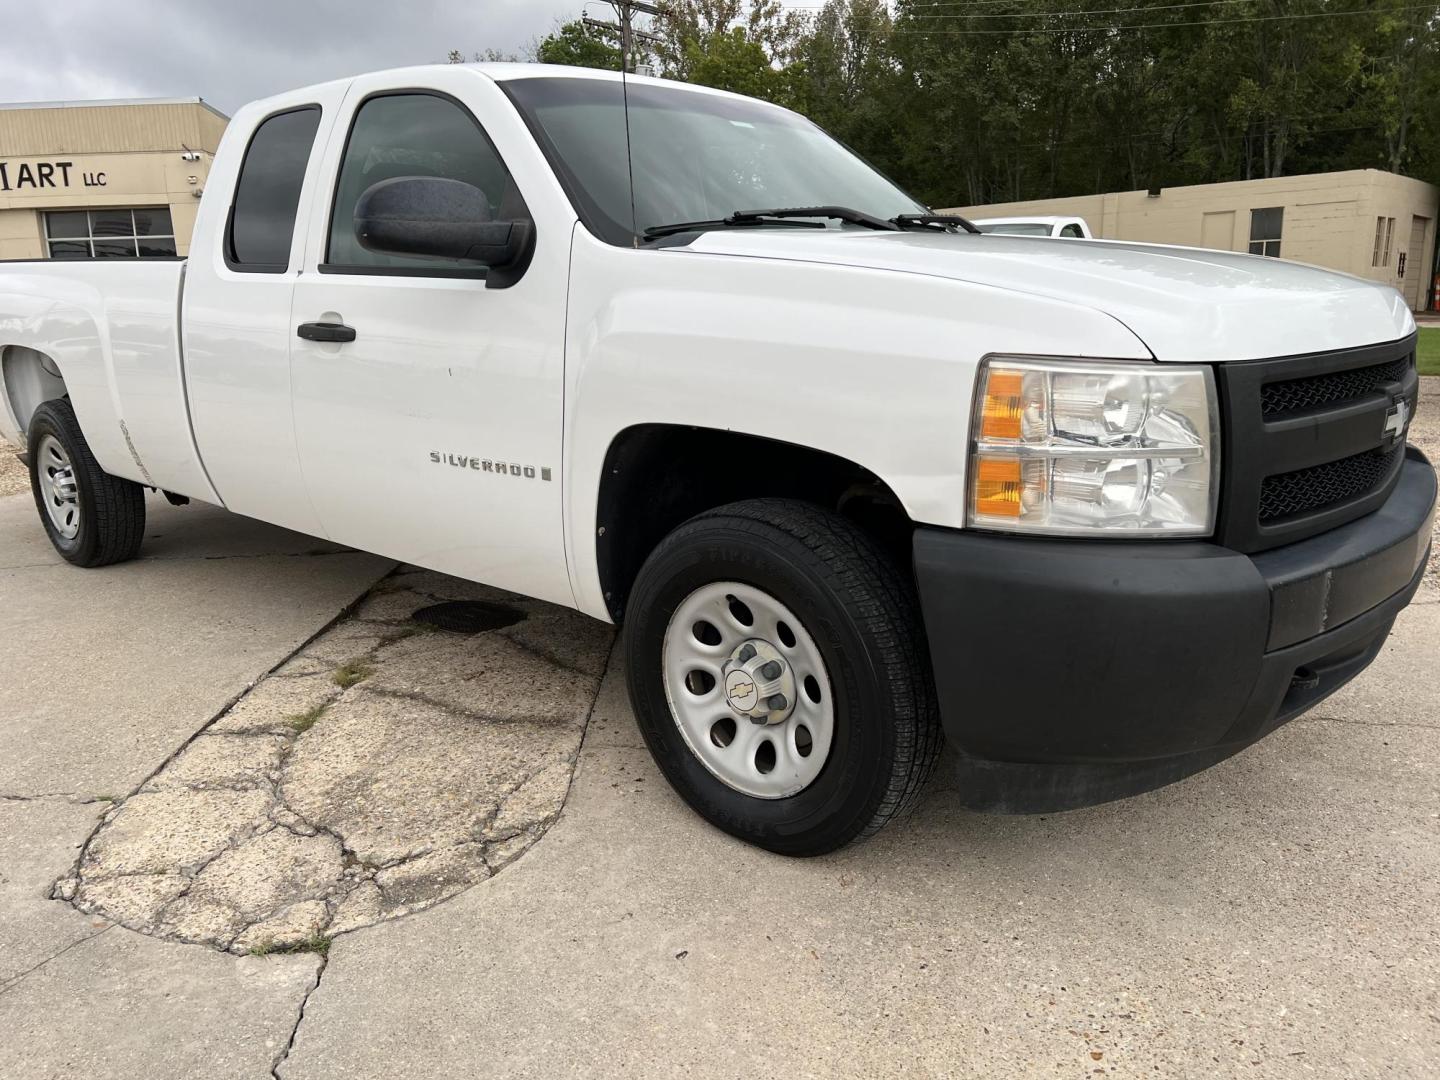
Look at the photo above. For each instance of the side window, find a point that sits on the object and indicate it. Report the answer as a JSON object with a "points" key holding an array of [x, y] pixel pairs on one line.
{"points": [[1073, 231], [262, 218], [413, 134]]}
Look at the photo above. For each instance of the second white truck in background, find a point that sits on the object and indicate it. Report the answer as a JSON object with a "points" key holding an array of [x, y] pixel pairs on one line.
{"points": [[1065, 228]]}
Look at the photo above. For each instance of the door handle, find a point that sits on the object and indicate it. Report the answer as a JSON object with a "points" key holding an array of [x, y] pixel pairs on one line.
{"points": [[325, 331]]}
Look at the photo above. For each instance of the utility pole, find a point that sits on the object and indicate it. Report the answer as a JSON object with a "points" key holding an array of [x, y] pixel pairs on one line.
{"points": [[625, 11]]}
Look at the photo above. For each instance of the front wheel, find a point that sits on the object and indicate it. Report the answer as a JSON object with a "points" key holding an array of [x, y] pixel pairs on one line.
{"points": [[92, 518], [776, 663]]}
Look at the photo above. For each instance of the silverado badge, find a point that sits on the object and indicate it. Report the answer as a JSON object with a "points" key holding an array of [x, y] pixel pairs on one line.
{"points": [[498, 468]]}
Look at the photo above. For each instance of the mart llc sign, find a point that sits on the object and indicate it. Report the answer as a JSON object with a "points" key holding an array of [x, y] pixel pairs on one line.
{"points": [[32, 176]]}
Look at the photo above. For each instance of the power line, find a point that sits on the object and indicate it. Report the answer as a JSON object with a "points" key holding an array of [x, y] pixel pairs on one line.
{"points": [[910, 13], [624, 29], [1101, 11], [909, 16]]}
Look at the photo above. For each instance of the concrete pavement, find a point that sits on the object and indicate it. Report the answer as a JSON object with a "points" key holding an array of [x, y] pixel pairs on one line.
{"points": [[106, 674], [1273, 917]]}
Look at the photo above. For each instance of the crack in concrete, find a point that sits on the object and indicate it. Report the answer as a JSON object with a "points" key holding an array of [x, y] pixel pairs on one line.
{"points": [[548, 657], [15, 981], [72, 797], [284, 1054], [537, 721], [1403, 724]]}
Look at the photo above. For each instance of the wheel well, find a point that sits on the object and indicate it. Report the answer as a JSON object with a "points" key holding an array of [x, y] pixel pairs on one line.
{"points": [[659, 475], [28, 378]]}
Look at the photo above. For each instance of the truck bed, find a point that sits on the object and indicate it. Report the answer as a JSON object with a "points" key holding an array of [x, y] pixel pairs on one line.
{"points": [[112, 326]]}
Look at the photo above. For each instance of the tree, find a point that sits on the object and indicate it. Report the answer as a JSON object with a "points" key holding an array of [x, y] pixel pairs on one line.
{"points": [[975, 101], [731, 60], [727, 40], [575, 44]]}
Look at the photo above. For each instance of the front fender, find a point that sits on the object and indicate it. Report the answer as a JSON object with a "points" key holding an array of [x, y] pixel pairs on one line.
{"points": [[873, 366]]}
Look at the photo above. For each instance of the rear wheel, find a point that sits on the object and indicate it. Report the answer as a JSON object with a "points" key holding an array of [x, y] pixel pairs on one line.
{"points": [[776, 662], [91, 517]]}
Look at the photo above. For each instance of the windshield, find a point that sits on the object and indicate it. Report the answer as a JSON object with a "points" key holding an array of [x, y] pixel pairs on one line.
{"points": [[695, 156], [1016, 228]]}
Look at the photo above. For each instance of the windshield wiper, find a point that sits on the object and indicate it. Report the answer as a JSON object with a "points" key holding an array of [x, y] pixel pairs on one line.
{"points": [[734, 221], [839, 213], [782, 216], [926, 220]]}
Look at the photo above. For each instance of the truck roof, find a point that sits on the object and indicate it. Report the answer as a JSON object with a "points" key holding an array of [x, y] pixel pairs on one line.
{"points": [[509, 72]]}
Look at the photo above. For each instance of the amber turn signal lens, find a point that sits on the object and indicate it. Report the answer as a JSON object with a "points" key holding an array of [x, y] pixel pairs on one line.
{"points": [[997, 486], [1000, 412]]}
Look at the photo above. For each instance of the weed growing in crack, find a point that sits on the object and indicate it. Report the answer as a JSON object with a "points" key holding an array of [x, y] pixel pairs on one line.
{"points": [[303, 722], [350, 673], [316, 943]]}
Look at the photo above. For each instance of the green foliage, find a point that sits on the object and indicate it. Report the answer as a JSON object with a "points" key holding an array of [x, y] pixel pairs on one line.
{"points": [[730, 60], [316, 943], [975, 102], [303, 722], [577, 46], [1427, 352], [350, 673]]}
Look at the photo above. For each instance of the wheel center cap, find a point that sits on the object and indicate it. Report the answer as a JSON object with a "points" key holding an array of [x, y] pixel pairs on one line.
{"points": [[759, 685]]}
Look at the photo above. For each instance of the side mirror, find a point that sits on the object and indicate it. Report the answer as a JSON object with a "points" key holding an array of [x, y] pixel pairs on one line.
{"points": [[431, 216]]}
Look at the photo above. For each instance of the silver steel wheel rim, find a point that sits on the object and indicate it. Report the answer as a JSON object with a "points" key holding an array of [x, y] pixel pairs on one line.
{"points": [[696, 663], [56, 477]]}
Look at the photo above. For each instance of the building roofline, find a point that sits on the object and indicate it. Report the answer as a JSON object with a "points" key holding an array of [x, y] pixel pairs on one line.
{"points": [[103, 103]]}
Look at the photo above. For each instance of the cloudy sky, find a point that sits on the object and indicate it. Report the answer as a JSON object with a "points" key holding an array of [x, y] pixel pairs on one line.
{"points": [[232, 51]]}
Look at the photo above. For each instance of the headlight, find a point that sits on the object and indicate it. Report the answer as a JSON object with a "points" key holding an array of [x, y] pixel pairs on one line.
{"points": [[1073, 448]]}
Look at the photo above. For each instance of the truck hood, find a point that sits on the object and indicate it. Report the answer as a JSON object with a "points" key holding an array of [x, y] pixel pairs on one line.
{"points": [[1185, 304]]}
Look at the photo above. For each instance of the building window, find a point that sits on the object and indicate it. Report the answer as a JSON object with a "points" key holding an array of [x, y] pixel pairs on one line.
{"points": [[1384, 238], [110, 234], [1265, 231]]}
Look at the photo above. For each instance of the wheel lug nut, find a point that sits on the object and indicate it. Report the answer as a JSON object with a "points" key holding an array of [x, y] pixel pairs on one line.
{"points": [[771, 670], [746, 654], [777, 702]]}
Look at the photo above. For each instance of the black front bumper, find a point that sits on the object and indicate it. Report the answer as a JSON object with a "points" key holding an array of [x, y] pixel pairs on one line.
{"points": [[1071, 672]]}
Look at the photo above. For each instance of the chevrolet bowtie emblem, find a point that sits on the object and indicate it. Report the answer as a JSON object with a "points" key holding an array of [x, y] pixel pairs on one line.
{"points": [[1397, 419]]}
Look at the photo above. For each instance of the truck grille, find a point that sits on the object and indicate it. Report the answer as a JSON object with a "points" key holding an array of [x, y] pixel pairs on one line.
{"points": [[1305, 443], [1319, 486], [1315, 391]]}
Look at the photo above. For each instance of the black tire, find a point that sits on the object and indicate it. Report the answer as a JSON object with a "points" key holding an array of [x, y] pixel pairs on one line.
{"points": [[863, 614], [111, 510]]}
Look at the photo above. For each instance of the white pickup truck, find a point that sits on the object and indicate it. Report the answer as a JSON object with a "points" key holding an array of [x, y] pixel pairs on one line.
{"points": [[1071, 228], [849, 474]]}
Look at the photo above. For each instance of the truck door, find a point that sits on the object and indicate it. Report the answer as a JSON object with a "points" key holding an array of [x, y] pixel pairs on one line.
{"points": [[431, 430], [237, 295]]}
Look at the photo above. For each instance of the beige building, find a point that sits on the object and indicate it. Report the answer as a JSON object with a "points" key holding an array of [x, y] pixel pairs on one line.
{"points": [[1365, 222], [103, 179]]}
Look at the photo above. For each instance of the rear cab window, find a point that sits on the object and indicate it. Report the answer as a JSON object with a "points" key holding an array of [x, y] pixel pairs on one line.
{"points": [[267, 194]]}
